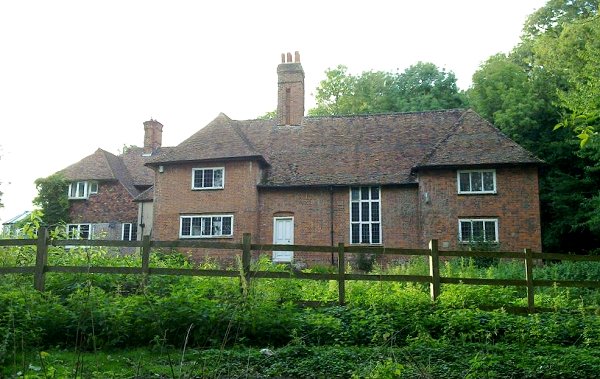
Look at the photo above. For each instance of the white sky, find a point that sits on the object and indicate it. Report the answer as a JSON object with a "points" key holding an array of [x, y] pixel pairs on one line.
{"points": [[79, 75]]}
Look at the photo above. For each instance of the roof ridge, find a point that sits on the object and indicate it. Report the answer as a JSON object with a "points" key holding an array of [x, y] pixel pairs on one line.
{"points": [[359, 115], [104, 155], [244, 138], [504, 136], [121, 174], [443, 140]]}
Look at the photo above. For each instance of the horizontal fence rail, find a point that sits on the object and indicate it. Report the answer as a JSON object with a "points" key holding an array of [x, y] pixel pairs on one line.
{"points": [[434, 279]]}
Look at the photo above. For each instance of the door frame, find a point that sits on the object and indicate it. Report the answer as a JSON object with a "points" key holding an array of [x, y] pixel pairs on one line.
{"points": [[275, 219]]}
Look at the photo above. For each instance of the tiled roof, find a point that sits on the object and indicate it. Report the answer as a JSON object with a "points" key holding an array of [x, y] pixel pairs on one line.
{"points": [[92, 167], [147, 195], [474, 141], [128, 168], [225, 141], [134, 161], [344, 150]]}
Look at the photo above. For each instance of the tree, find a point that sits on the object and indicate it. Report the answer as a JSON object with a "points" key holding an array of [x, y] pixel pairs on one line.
{"points": [[548, 78], [269, 115], [52, 199], [552, 17], [576, 53], [334, 92], [1, 205], [420, 87], [424, 86]]}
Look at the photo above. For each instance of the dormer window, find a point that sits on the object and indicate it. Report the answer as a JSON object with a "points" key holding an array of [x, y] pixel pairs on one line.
{"points": [[82, 189], [208, 178]]}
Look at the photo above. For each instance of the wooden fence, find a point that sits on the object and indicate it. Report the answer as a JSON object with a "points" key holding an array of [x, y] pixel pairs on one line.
{"points": [[434, 279]]}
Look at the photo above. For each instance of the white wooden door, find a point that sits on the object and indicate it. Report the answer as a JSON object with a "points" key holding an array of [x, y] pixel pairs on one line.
{"points": [[283, 234]]}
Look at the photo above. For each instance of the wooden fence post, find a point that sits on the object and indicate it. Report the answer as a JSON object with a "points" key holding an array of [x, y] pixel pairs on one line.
{"points": [[246, 257], [341, 274], [434, 269], [529, 280], [41, 259], [145, 259]]}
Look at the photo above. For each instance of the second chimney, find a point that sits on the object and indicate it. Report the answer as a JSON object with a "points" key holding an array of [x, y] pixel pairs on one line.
{"points": [[290, 90], [152, 136]]}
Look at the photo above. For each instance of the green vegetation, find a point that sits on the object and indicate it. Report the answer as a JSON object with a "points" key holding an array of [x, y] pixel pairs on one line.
{"points": [[97, 325], [420, 87], [52, 199], [546, 87], [545, 95]]}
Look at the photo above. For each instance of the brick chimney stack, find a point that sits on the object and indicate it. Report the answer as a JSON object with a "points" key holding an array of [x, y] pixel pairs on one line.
{"points": [[152, 136], [290, 90]]}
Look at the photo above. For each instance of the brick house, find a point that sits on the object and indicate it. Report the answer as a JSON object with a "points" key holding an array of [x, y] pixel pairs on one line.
{"points": [[103, 187], [395, 180]]}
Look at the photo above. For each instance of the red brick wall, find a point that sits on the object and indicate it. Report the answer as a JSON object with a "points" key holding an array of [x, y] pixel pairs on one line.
{"points": [[408, 222], [516, 205], [112, 203], [311, 209], [174, 197]]}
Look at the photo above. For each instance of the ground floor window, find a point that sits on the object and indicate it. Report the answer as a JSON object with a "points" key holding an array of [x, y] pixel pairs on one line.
{"points": [[129, 231], [206, 226], [79, 231], [365, 215], [478, 230]]}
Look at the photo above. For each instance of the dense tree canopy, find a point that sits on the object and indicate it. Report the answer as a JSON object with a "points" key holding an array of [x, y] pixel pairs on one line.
{"points": [[420, 87], [551, 79], [52, 199], [1, 205], [547, 88]]}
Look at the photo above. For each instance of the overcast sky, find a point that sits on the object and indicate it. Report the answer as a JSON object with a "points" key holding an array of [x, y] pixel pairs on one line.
{"points": [[76, 76]]}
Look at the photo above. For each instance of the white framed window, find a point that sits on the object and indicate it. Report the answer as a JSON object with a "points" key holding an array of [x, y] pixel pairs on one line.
{"points": [[205, 226], [208, 178], [79, 231], [365, 215], [82, 189], [478, 230], [129, 231], [476, 181], [93, 186]]}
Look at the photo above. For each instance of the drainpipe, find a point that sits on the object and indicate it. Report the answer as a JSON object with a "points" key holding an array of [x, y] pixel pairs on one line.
{"points": [[331, 223], [142, 225]]}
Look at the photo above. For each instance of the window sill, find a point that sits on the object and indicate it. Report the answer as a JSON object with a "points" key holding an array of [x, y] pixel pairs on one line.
{"points": [[477, 193], [204, 237], [465, 243], [208, 189]]}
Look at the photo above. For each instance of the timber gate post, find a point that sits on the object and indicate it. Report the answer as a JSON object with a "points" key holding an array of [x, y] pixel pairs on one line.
{"points": [[41, 259]]}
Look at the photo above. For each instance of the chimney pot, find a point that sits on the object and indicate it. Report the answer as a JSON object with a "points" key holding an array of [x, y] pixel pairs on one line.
{"points": [[282, 57], [290, 91]]}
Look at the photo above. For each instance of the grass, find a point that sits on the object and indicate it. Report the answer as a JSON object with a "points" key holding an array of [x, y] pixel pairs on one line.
{"points": [[419, 359], [103, 326]]}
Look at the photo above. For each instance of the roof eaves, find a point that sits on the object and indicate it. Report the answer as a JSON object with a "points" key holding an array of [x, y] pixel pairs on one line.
{"points": [[257, 157], [477, 165]]}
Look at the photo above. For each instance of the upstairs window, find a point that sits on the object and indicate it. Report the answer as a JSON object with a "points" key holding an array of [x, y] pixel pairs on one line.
{"points": [[365, 215], [476, 181], [207, 178], [206, 226], [478, 230], [79, 231], [129, 232], [82, 189]]}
